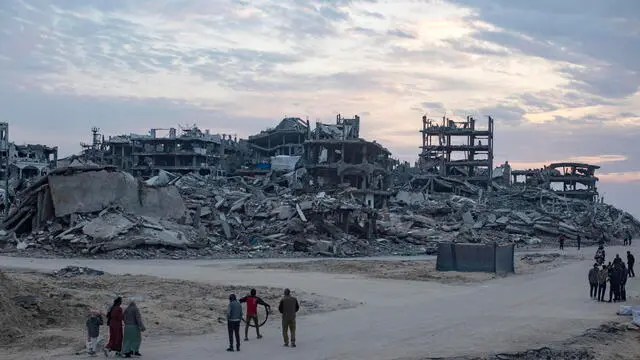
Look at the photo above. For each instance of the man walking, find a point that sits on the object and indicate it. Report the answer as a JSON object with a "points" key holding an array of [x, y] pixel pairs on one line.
{"points": [[630, 262], [562, 242], [288, 308], [579, 240], [593, 281], [603, 275], [234, 316], [252, 312]]}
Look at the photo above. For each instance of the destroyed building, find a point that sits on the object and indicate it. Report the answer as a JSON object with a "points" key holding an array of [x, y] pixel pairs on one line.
{"points": [[286, 139], [569, 179], [191, 150], [25, 161], [335, 155], [456, 150]]}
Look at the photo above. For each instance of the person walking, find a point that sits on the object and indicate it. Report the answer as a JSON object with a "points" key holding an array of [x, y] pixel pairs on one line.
{"points": [[603, 276], [133, 328], [288, 307], [94, 321], [253, 301], [630, 262], [593, 281], [234, 317], [114, 323], [579, 240], [561, 240]]}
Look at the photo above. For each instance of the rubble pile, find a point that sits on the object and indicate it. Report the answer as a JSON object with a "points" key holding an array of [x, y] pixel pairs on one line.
{"points": [[522, 215], [102, 212]]}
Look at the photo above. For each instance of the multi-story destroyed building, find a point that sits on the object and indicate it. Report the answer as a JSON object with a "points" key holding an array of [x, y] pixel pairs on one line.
{"points": [[286, 139], [335, 155], [192, 150], [573, 180], [24, 161], [457, 150], [31, 160]]}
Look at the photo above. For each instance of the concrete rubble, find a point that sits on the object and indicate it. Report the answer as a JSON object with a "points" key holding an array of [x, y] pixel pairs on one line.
{"points": [[99, 211]]}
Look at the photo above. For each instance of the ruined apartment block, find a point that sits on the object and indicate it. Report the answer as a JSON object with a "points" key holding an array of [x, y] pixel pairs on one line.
{"points": [[25, 161], [457, 150], [336, 155], [286, 139], [192, 150], [569, 179]]}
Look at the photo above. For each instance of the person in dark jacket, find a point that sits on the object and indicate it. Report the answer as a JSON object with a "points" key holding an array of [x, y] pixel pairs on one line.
{"points": [[288, 307], [94, 321], [593, 281], [114, 322], [614, 281], [561, 240], [603, 276], [234, 317], [630, 262], [623, 282], [252, 312], [579, 241]]}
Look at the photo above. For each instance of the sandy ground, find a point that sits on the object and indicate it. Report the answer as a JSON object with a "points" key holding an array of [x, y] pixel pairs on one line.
{"points": [[419, 270], [53, 316], [396, 318]]}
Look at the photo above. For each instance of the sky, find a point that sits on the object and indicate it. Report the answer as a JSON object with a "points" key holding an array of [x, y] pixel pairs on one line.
{"points": [[560, 78]]}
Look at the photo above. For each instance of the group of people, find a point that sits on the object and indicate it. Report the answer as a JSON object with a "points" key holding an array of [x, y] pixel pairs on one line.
{"points": [[123, 342], [614, 273], [288, 307]]}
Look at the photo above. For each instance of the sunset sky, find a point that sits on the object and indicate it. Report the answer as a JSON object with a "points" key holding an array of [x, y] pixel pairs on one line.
{"points": [[561, 78]]}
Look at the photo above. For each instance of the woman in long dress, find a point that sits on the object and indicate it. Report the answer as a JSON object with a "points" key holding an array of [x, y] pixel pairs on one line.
{"points": [[133, 327], [114, 322]]}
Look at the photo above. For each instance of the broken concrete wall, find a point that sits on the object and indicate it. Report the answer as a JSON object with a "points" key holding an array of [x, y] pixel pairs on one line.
{"points": [[93, 191]]}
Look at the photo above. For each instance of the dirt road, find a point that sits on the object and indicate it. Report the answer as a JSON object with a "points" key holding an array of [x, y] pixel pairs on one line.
{"points": [[397, 318]]}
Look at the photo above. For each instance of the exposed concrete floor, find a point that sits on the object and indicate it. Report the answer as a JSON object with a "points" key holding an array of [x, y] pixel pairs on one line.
{"points": [[397, 318]]}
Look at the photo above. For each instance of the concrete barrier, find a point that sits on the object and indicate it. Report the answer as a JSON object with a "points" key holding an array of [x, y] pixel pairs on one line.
{"points": [[475, 258]]}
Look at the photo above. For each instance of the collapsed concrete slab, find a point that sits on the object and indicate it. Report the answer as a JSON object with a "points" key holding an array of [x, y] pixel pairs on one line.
{"points": [[85, 190], [92, 191]]}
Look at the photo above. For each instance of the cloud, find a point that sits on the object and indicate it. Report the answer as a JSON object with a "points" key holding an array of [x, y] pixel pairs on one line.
{"points": [[621, 177], [598, 39], [400, 33], [593, 160]]}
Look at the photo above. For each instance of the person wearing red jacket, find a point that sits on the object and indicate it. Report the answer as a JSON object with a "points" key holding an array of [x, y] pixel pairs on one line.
{"points": [[252, 312]]}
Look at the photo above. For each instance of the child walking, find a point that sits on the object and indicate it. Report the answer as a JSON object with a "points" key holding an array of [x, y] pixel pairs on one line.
{"points": [[94, 321]]}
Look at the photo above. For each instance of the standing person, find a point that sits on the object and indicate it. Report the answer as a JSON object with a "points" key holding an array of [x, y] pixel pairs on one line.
{"points": [[288, 308], [614, 281], [114, 322], [579, 240], [630, 262], [623, 282], [561, 240], [252, 312], [133, 328], [593, 281], [94, 321], [234, 316], [603, 276]]}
